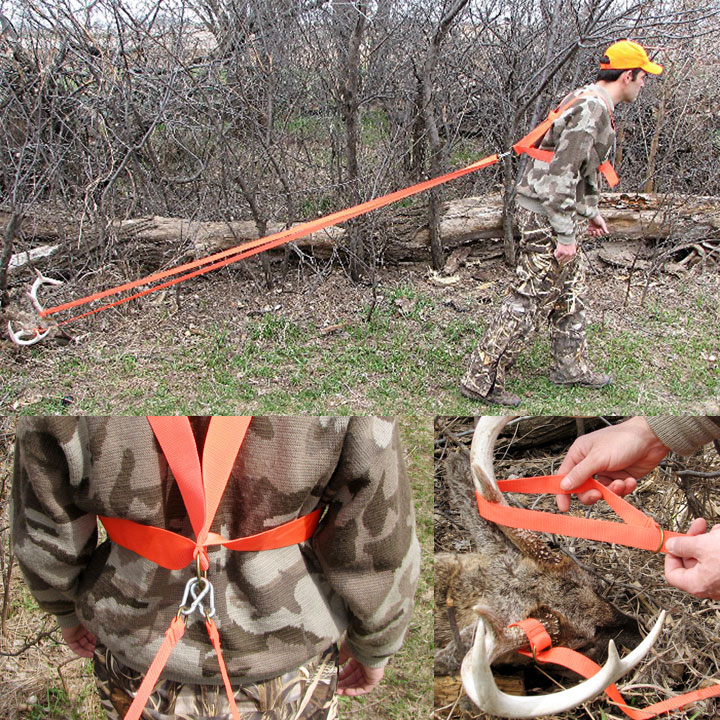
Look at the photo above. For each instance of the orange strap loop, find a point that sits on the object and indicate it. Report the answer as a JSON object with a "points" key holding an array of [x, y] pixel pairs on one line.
{"points": [[541, 650], [527, 144], [202, 486], [637, 531]]}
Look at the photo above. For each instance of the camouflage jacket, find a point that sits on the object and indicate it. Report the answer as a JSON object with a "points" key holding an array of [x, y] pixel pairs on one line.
{"points": [[582, 138], [685, 434], [276, 608]]}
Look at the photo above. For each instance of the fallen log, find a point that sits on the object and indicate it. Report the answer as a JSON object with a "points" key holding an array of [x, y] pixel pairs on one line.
{"points": [[36, 255], [158, 241]]}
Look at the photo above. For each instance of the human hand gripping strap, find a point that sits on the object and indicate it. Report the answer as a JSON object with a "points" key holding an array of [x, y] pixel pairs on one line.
{"points": [[541, 650], [637, 531]]}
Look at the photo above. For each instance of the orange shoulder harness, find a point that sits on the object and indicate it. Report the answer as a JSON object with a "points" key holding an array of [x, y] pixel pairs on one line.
{"points": [[202, 487], [527, 144]]}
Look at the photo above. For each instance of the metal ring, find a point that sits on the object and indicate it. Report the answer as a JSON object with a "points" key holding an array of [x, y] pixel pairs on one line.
{"points": [[662, 540]]}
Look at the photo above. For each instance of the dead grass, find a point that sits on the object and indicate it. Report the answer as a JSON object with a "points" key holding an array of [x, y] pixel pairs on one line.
{"points": [[686, 657]]}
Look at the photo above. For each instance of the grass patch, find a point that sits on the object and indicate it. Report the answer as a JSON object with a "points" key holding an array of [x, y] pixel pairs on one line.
{"points": [[320, 353]]}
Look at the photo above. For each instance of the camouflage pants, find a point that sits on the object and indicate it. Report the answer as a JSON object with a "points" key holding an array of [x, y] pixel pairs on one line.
{"points": [[544, 287], [307, 693]]}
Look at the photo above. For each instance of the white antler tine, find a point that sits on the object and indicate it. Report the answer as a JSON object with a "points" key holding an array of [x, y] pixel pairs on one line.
{"points": [[40, 280], [480, 685], [633, 658], [19, 337], [481, 455]]}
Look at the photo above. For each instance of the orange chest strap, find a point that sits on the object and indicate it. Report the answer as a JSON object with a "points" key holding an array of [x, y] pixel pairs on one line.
{"points": [[637, 530], [541, 650], [528, 144], [202, 485]]}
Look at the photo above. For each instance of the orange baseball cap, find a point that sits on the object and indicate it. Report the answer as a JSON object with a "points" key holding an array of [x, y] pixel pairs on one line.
{"points": [[628, 55]]}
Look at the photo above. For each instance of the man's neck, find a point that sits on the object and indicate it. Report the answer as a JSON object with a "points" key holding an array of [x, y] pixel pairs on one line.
{"points": [[613, 89]]}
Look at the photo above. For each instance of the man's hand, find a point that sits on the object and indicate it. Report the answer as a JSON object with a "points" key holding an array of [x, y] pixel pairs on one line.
{"points": [[618, 455], [565, 253], [356, 678], [80, 640], [597, 226], [693, 563]]}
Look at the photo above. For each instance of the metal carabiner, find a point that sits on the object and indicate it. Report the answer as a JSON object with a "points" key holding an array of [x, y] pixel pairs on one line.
{"points": [[198, 594], [36, 334]]}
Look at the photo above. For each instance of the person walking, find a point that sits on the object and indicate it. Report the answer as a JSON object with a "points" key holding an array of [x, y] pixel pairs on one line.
{"points": [[559, 186]]}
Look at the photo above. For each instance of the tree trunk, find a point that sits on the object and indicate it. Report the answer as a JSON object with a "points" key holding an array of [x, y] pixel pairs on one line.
{"points": [[12, 227]]}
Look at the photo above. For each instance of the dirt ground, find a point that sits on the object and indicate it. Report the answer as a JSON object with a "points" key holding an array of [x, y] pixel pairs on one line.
{"points": [[685, 657], [657, 310]]}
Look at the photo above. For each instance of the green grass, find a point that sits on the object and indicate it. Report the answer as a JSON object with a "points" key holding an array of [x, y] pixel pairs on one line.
{"points": [[407, 358], [58, 705]]}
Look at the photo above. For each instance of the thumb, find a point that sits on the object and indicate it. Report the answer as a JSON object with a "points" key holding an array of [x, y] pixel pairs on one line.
{"points": [[576, 476], [684, 547]]}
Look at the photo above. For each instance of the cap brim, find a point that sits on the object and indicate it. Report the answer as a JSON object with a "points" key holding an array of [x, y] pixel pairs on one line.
{"points": [[652, 68]]}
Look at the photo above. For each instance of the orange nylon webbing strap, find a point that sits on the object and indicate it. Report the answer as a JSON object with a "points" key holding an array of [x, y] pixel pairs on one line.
{"points": [[202, 484], [214, 636], [637, 531], [253, 247], [527, 144], [201, 491], [573, 660], [172, 276], [172, 637]]}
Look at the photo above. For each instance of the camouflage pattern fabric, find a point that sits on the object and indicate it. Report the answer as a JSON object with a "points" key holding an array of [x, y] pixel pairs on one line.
{"points": [[307, 693], [543, 287], [582, 138], [276, 608]]}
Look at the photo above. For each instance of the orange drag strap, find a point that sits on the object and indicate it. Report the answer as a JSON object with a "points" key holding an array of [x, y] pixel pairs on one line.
{"points": [[172, 637], [637, 531], [174, 552], [253, 247], [527, 144], [582, 665], [215, 640], [201, 492]]}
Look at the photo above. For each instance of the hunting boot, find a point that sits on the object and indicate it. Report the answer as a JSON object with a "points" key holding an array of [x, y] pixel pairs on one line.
{"points": [[569, 351], [496, 396], [572, 367]]}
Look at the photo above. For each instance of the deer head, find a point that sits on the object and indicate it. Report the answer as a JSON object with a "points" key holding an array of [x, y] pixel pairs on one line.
{"points": [[515, 575]]}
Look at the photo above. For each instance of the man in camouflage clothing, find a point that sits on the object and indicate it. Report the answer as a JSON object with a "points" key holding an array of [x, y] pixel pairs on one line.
{"points": [[280, 612], [552, 194]]}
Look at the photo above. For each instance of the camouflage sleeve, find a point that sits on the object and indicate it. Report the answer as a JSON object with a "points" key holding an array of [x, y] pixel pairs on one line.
{"points": [[575, 161], [367, 545], [53, 539], [684, 435]]}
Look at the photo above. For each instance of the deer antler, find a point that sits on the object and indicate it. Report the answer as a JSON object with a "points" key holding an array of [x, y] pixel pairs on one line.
{"points": [[481, 465], [31, 336], [478, 681]]}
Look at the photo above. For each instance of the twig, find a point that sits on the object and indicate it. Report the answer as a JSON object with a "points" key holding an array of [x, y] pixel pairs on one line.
{"points": [[41, 636], [695, 473]]}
